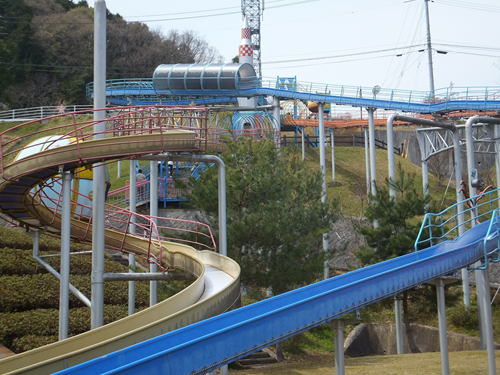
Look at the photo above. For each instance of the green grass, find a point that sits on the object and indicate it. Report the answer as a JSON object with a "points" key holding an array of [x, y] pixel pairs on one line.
{"points": [[461, 363], [349, 187]]}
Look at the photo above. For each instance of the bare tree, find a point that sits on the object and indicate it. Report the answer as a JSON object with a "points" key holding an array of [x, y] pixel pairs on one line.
{"points": [[40, 90], [439, 164]]}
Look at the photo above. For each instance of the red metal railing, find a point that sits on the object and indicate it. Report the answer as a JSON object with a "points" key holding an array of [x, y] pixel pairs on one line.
{"points": [[128, 121], [119, 222]]}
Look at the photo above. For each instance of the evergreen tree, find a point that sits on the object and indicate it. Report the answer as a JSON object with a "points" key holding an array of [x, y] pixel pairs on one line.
{"points": [[274, 213], [397, 224], [397, 230]]}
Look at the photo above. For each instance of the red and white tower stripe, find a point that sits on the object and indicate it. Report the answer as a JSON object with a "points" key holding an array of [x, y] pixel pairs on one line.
{"points": [[246, 47]]}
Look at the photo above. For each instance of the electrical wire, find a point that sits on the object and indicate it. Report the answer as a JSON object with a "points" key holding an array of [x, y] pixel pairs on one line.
{"points": [[181, 18], [330, 62], [470, 5], [340, 56], [397, 44], [416, 26], [420, 57]]}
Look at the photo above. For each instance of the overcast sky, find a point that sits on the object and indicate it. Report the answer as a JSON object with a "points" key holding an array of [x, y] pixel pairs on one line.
{"points": [[346, 42]]}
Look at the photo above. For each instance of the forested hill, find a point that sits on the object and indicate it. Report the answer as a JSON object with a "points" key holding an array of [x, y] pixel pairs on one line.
{"points": [[46, 51]]}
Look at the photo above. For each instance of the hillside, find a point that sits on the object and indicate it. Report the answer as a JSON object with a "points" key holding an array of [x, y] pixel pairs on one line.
{"points": [[46, 60], [29, 298]]}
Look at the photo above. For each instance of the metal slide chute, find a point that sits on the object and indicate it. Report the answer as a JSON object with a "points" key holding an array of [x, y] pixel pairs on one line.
{"points": [[209, 344], [135, 132]]}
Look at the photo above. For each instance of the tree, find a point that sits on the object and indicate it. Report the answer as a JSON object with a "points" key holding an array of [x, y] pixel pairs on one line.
{"points": [[274, 213], [397, 228], [52, 41]]}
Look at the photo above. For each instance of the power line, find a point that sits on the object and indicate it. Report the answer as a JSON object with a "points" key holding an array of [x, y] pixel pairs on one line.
{"points": [[344, 55], [469, 5], [179, 18], [332, 62], [197, 11]]}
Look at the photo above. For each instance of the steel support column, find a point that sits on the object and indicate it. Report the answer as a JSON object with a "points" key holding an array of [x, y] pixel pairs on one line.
{"points": [[322, 162], [52, 271], [487, 318], [398, 311], [99, 179], [443, 335], [65, 255], [373, 162], [482, 282], [460, 210], [153, 210], [131, 257], [221, 171], [339, 347], [390, 153], [367, 161]]}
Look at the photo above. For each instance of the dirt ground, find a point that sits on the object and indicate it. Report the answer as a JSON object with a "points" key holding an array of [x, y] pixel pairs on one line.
{"points": [[461, 363]]}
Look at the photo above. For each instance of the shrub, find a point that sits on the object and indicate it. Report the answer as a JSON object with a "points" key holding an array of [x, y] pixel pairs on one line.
{"points": [[19, 239], [21, 262], [21, 293], [30, 329], [29, 342], [459, 317], [294, 344]]}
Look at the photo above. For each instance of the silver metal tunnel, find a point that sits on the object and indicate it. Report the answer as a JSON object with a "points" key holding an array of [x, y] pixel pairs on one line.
{"points": [[172, 79]]}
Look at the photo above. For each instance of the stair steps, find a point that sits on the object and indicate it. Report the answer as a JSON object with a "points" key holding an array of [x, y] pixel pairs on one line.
{"points": [[260, 358]]}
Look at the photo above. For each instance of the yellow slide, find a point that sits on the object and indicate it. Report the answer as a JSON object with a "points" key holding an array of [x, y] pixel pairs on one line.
{"points": [[214, 291]]}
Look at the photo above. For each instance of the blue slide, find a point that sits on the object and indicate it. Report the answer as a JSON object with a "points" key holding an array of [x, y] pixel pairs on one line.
{"points": [[207, 345]]}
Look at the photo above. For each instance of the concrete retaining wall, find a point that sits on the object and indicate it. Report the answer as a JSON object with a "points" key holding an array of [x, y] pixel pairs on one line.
{"points": [[380, 339]]}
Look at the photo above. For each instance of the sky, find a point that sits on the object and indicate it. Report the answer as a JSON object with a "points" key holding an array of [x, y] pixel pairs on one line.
{"points": [[353, 43]]}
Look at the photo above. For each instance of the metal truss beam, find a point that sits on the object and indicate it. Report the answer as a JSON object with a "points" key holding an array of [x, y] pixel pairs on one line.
{"points": [[253, 10], [437, 140]]}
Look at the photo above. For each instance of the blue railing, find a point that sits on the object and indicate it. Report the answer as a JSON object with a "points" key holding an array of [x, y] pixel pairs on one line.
{"points": [[493, 226], [435, 227], [204, 346], [445, 99]]}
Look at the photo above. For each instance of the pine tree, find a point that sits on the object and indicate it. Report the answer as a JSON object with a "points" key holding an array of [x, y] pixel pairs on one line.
{"points": [[397, 230], [397, 227], [275, 218]]}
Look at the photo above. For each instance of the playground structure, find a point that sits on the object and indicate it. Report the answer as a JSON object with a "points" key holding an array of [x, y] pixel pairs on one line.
{"points": [[161, 129], [130, 134], [146, 131]]}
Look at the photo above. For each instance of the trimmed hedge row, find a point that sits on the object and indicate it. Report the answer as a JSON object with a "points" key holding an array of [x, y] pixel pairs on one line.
{"points": [[19, 239], [29, 342], [21, 262], [21, 293], [30, 329]]}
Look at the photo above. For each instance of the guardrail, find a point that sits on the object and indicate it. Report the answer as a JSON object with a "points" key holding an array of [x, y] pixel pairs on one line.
{"points": [[36, 113], [436, 227], [326, 92], [151, 123], [119, 220], [166, 192], [494, 226]]}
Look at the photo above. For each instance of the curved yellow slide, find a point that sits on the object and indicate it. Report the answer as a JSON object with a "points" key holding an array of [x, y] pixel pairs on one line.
{"points": [[214, 291]]}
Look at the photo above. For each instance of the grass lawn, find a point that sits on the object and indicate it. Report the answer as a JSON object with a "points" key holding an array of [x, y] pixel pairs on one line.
{"points": [[461, 363]]}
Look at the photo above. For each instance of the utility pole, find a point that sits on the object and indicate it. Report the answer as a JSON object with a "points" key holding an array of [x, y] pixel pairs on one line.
{"points": [[253, 10], [429, 49]]}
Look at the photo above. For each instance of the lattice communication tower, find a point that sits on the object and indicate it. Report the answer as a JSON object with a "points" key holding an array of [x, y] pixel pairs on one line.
{"points": [[253, 10]]}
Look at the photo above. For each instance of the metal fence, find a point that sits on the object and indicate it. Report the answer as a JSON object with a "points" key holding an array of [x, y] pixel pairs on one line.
{"points": [[313, 141], [36, 113]]}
